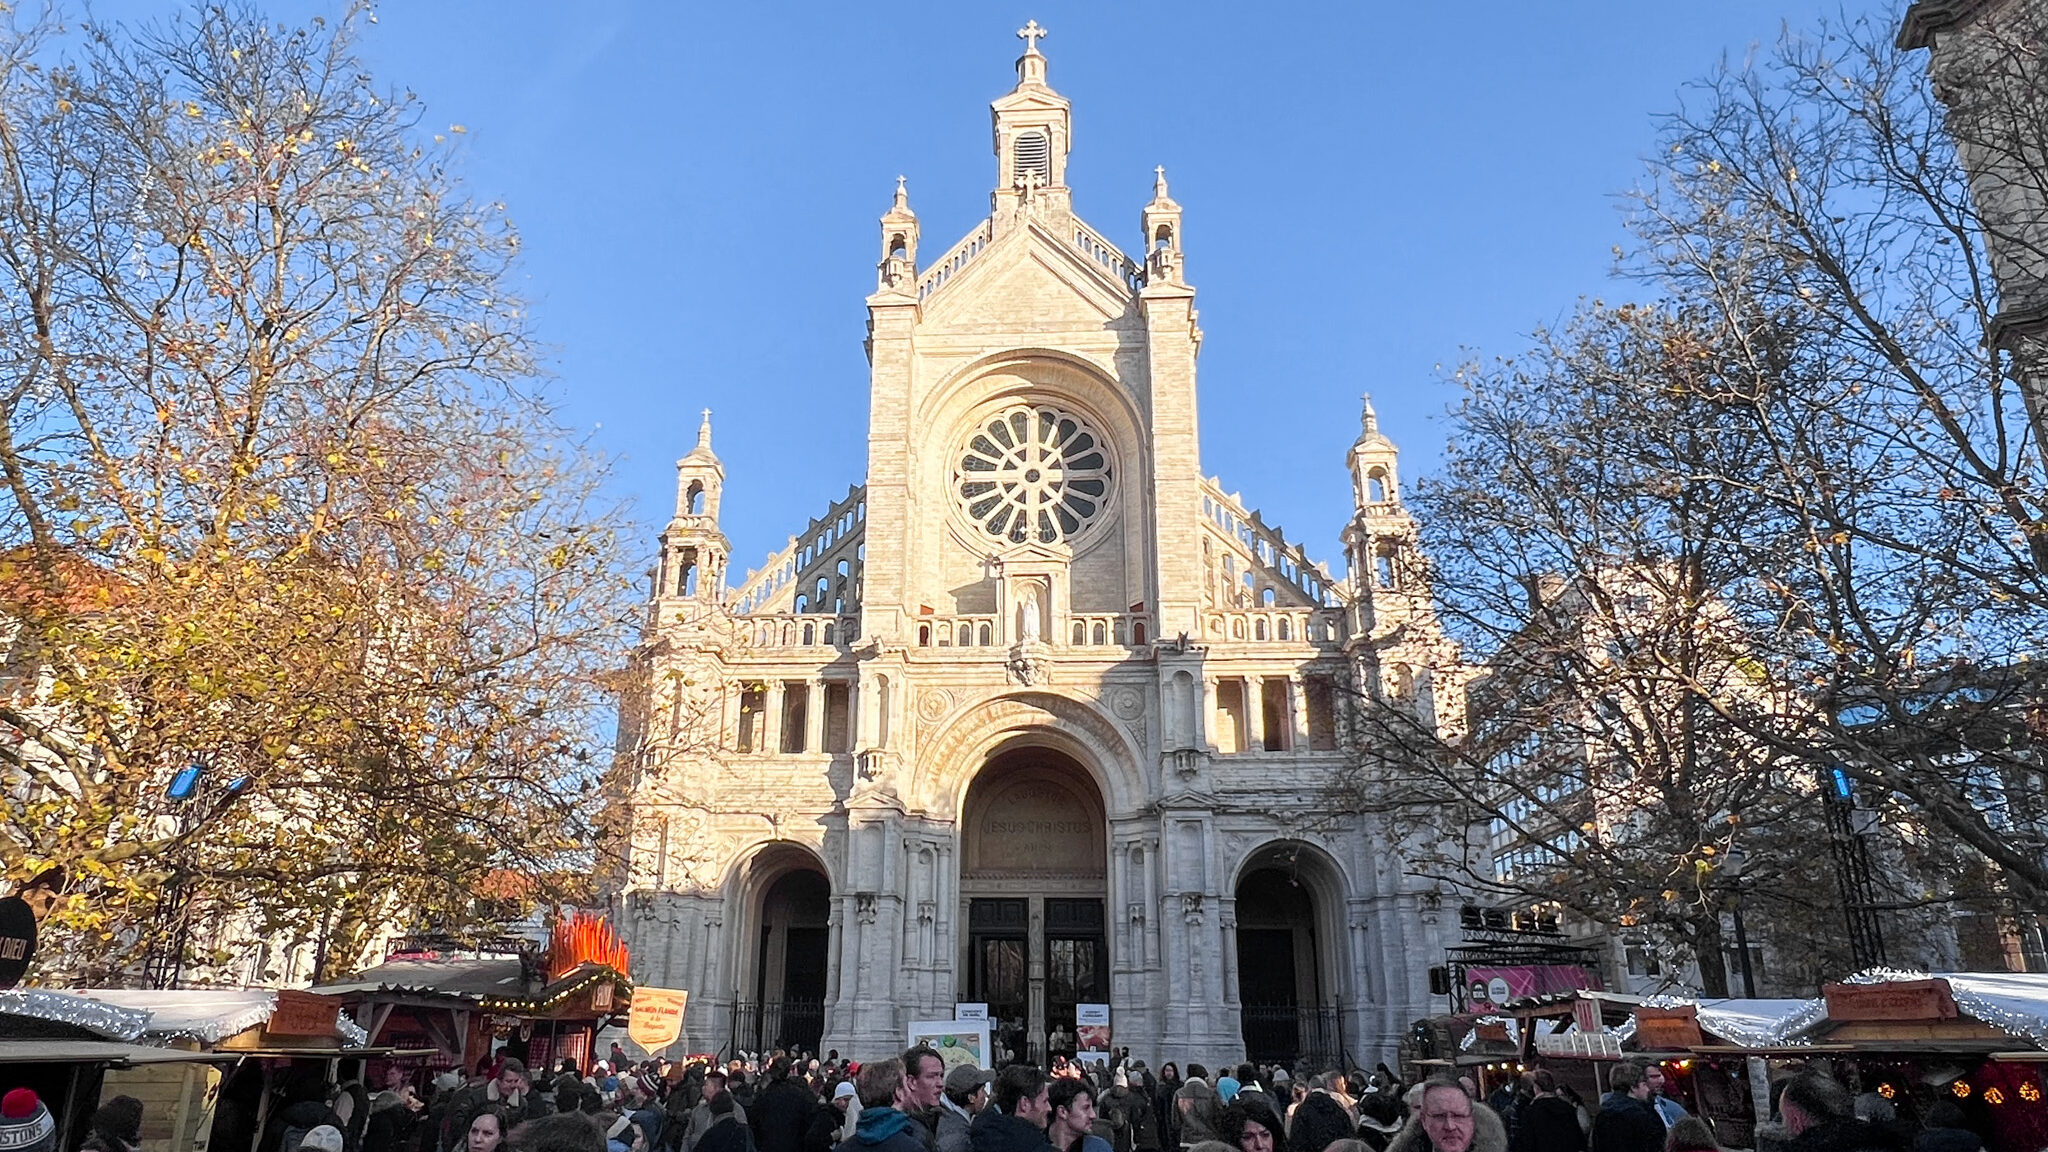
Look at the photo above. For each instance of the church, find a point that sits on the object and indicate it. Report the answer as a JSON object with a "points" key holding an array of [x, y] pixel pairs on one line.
{"points": [[1038, 715]]}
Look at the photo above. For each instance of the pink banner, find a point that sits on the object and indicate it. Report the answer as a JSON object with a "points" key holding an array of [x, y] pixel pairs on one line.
{"points": [[1487, 989]]}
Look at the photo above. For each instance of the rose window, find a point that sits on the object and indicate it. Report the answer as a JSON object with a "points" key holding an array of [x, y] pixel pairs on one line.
{"points": [[1033, 473]]}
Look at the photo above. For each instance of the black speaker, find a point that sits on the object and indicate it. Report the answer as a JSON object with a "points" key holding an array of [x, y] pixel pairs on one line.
{"points": [[1439, 981]]}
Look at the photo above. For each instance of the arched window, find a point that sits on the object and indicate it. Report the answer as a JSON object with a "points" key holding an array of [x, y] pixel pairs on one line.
{"points": [[1163, 238], [803, 603], [1286, 633], [982, 636], [1137, 632], [828, 632], [1259, 628], [694, 498], [1376, 486], [1034, 154], [810, 634], [1267, 598], [897, 249], [1080, 632], [966, 635], [1096, 635], [924, 635]]}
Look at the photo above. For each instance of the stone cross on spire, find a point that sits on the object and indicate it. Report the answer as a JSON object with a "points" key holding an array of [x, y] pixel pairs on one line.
{"points": [[1030, 34], [704, 431], [1369, 421]]}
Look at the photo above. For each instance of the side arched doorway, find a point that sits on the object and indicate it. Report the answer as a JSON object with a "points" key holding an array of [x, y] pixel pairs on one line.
{"points": [[1290, 956], [1034, 882], [786, 961]]}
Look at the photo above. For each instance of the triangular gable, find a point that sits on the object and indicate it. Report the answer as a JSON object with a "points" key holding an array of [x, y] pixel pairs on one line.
{"points": [[1063, 286]]}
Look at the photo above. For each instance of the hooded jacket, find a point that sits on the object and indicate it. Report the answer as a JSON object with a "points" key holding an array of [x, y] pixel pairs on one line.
{"points": [[882, 1130], [1198, 1121]]}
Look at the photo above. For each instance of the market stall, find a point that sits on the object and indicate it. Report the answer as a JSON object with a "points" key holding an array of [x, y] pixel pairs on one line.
{"points": [[458, 1004]]}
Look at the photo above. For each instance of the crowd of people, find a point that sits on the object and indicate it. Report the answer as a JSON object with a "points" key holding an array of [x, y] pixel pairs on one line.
{"points": [[916, 1102]]}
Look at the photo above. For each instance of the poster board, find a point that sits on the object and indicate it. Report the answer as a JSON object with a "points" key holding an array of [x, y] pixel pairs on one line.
{"points": [[1091, 1028], [956, 1041]]}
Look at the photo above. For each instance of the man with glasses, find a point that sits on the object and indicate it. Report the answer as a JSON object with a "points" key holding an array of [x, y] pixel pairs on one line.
{"points": [[1451, 1122]]}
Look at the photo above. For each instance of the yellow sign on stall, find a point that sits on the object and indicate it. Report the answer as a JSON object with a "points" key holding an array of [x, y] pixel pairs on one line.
{"points": [[657, 1017]]}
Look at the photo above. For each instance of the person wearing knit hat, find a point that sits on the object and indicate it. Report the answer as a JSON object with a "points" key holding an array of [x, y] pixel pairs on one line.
{"points": [[25, 1125]]}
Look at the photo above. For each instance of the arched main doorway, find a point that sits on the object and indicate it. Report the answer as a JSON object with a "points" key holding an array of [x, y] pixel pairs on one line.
{"points": [[1288, 956], [1034, 881], [787, 964]]}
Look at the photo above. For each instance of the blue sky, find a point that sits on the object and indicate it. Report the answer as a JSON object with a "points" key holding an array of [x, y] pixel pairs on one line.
{"points": [[1369, 188]]}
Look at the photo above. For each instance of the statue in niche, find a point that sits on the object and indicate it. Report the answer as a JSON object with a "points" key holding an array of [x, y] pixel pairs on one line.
{"points": [[1031, 618]]}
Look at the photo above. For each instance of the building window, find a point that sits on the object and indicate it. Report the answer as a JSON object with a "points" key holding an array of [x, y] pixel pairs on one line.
{"points": [[1322, 714], [796, 708], [1230, 716], [753, 713], [838, 717], [1277, 716]]}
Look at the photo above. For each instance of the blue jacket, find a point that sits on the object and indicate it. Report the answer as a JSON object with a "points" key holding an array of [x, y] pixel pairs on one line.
{"points": [[881, 1130]]}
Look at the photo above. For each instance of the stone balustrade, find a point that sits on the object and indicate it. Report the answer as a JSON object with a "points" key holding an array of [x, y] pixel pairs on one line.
{"points": [[798, 630], [1274, 626], [961, 255]]}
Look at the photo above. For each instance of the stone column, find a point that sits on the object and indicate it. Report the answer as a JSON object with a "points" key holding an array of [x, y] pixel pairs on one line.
{"points": [[1297, 710], [1227, 926], [814, 717]]}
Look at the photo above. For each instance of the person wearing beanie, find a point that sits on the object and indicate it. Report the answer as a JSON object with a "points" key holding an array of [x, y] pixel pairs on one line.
{"points": [[25, 1124]]}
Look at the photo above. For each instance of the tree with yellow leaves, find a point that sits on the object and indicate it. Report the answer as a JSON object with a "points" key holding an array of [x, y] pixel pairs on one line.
{"points": [[311, 600]]}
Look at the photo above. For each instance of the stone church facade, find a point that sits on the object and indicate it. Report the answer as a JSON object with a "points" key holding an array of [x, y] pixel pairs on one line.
{"points": [[1038, 715]]}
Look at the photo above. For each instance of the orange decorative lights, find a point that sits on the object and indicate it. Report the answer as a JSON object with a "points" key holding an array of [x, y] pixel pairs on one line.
{"points": [[1961, 1088], [1993, 1096], [583, 938], [2030, 1092], [1887, 1091]]}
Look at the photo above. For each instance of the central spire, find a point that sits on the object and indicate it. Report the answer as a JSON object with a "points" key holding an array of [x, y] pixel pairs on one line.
{"points": [[1031, 65], [1033, 130]]}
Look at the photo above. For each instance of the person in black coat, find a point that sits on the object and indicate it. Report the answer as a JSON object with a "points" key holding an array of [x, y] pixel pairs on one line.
{"points": [[1550, 1123], [1017, 1122], [726, 1133], [1627, 1122], [783, 1113]]}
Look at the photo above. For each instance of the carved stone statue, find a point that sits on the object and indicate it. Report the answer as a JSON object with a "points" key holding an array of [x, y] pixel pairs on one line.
{"points": [[1031, 618]]}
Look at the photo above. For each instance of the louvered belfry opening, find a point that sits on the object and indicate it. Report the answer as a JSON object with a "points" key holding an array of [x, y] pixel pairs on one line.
{"points": [[1034, 155]]}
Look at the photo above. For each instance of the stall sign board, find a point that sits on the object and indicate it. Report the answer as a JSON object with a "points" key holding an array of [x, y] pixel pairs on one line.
{"points": [[1895, 1000], [601, 997], [1586, 1014], [966, 1010], [303, 1014], [17, 940], [657, 1017], [1666, 1028]]}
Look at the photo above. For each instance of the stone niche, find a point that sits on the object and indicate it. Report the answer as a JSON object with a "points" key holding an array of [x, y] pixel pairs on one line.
{"points": [[1034, 813]]}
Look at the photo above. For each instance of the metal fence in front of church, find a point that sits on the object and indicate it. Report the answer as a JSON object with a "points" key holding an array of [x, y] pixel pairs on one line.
{"points": [[791, 1024], [1302, 1037]]}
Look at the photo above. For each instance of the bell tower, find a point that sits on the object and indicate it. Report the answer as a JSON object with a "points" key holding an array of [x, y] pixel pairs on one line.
{"points": [[693, 550], [1033, 134], [1381, 542], [897, 271]]}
